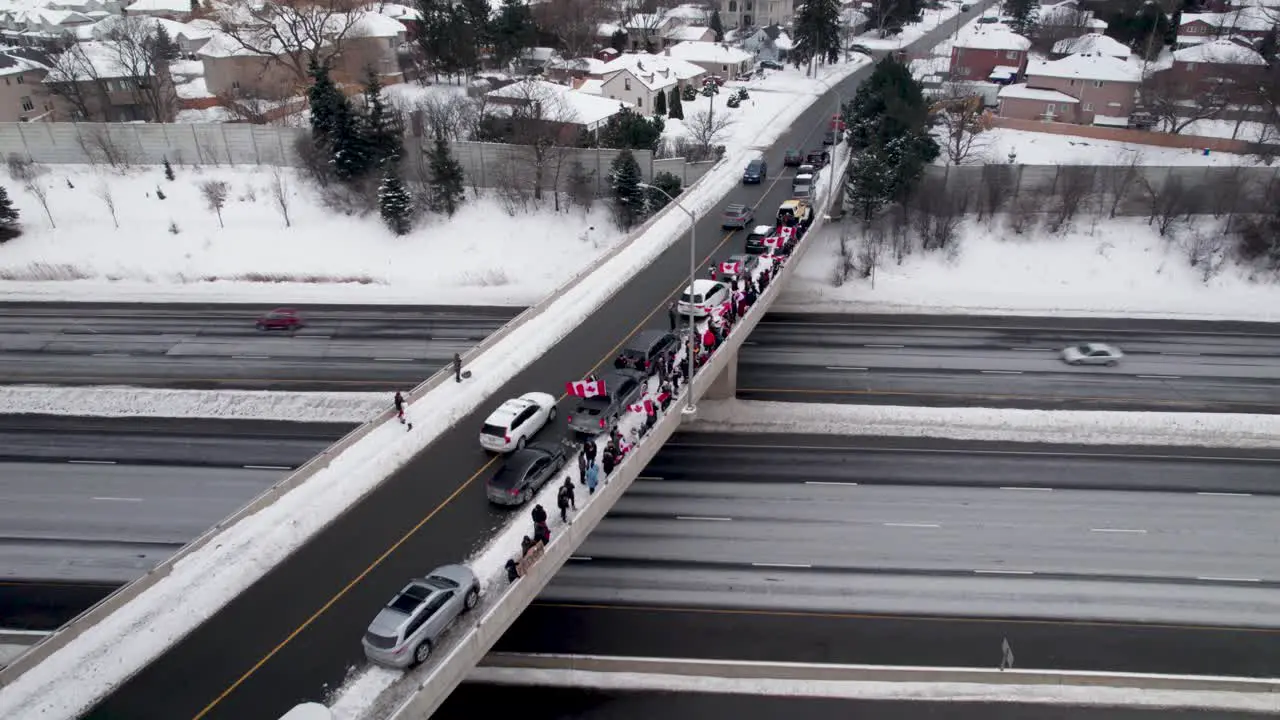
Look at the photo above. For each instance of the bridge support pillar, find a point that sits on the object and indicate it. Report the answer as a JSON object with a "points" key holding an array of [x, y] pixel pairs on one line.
{"points": [[725, 386]]}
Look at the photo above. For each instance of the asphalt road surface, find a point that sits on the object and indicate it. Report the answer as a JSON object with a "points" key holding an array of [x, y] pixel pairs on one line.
{"points": [[1011, 362], [472, 700], [372, 348], [296, 633]]}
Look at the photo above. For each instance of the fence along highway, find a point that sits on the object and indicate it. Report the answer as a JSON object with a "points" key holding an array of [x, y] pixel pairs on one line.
{"points": [[356, 348], [1011, 362]]}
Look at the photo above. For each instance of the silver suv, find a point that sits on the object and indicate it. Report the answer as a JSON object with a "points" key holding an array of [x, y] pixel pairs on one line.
{"points": [[403, 632]]}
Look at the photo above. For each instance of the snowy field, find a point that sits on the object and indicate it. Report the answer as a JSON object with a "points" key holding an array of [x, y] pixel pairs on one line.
{"points": [[1033, 148], [353, 407], [1122, 268]]}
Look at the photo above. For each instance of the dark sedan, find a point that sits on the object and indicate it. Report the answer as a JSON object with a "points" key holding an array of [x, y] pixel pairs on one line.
{"points": [[524, 472]]}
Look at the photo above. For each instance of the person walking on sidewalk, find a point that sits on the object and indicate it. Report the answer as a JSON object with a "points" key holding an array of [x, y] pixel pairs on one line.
{"points": [[399, 401], [539, 514], [671, 315], [457, 367], [562, 502], [567, 489]]}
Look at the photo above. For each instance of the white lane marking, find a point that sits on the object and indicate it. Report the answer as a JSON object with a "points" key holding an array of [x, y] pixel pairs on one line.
{"points": [[1003, 572], [1032, 349], [1033, 489], [1225, 494], [1132, 531], [780, 565], [708, 518], [1161, 377], [839, 367], [1211, 578], [394, 359], [830, 482], [580, 558], [870, 345], [115, 355], [965, 451], [1002, 372], [92, 462], [267, 467], [648, 477], [912, 525], [118, 499], [250, 357], [313, 337]]}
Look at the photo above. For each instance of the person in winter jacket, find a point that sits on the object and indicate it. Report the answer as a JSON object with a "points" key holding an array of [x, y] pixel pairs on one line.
{"points": [[593, 477], [711, 270], [562, 502], [590, 447], [525, 543], [513, 570], [672, 317], [399, 401], [539, 514], [608, 462], [568, 490], [709, 340], [542, 533], [457, 367], [582, 464]]}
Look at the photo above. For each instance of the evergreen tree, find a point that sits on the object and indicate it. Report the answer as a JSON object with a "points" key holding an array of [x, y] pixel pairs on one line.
{"points": [[889, 104], [436, 44], [628, 129], [168, 170], [469, 35], [660, 104], [163, 48], [618, 40], [676, 111], [394, 202], [351, 156], [195, 6], [817, 32], [513, 31], [667, 182], [1023, 15], [447, 192], [326, 101], [8, 217], [382, 133], [628, 196], [717, 25], [869, 182]]}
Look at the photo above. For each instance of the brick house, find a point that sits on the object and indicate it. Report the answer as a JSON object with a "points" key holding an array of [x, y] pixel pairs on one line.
{"points": [[1250, 22], [1213, 67], [1090, 89], [989, 54]]}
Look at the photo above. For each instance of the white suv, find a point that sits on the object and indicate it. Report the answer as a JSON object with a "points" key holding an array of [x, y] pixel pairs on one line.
{"points": [[516, 421]]}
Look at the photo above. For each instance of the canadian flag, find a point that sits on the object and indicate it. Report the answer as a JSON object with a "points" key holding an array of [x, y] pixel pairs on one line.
{"points": [[722, 309], [645, 407], [787, 231], [730, 268], [585, 388], [774, 241]]}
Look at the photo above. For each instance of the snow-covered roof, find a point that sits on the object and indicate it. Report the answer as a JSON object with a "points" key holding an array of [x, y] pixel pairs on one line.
{"points": [[693, 33], [103, 29], [783, 42], [640, 63], [1020, 91], [579, 107], [161, 6], [1003, 72], [20, 60], [691, 14], [643, 21], [197, 30], [103, 63], [1111, 120], [588, 65], [606, 30], [651, 79], [1086, 67], [1092, 43], [371, 24], [539, 54], [397, 12], [708, 53], [1223, 52], [980, 37], [591, 86], [1246, 18], [222, 45]]}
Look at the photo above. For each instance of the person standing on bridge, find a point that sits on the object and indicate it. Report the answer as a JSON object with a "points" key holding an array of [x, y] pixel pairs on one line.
{"points": [[671, 315], [399, 401], [457, 367]]}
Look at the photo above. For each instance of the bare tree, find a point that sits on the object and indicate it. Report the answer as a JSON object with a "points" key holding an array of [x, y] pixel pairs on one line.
{"points": [[939, 208], [445, 116], [962, 117], [292, 33], [1060, 22], [215, 195], [1118, 180], [41, 194], [131, 47], [706, 130], [99, 146], [644, 18], [541, 120], [1226, 190], [1166, 201], [1024, 213], [573, 22], [997, 186], [74, 77], [581, 186], [280, 192], [1073, 185], [1175, 106], [104, 193]]}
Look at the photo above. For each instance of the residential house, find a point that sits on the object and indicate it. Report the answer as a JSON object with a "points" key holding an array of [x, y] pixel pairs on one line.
{"points": [[1066, 19], [177, 10], [410, 17], [756, 13], [988, 53], [637, 78], [535, 60], [768, 43], [1215, 67], [566, 71], [42, 25], [1090, 43], [194, 35], [567, 110], [645, 30], [689, 14], [1249, 22], [1086, 89], [688, 33], [22, 96], [715, 58], [96, 86]]}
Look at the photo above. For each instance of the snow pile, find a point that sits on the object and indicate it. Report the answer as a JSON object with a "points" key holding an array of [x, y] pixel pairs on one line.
{"points": [[1036, 148], [109, 401], [1121, 267], [1030, 426], [1082, 696]]}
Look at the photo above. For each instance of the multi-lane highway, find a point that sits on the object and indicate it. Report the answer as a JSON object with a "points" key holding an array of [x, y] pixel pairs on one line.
{"points": [[929, 553], [1011, 362], [217, 346], [297, 632]]}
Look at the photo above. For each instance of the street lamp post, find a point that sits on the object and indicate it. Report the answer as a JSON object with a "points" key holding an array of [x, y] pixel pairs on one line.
{"points": [[689, 408]]}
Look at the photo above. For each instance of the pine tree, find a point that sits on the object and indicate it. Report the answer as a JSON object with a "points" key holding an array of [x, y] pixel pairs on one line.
{"points": [[888, 104], [663, 182], [326, 101], [628, 196], [817, 32], [394, 202], [513, 31], [163, 48], [351, 155], [676, 112], [381, 134], [1023, 15], [717, 25], [8, 217], [195, 7], [436, 41], [168, 170], [869, 182], [469, 34], [447, 192], [660, 104]]}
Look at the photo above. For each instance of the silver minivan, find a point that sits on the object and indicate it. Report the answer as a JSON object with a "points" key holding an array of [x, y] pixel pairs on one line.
{"points": [[403, 632]]}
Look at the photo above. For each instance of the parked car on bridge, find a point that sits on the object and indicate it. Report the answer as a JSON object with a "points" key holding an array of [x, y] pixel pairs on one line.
{"points": [[599, 414], [525, 472], [755, 240], [402, 633], [643, 350], [1092, 354], [745, 264], [706, 295], [516, 421]]}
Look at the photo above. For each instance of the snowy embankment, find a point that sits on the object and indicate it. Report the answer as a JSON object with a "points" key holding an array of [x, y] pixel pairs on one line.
{"points": [[204, 581], [1029, 426], [313, 407], [1083, 696]]}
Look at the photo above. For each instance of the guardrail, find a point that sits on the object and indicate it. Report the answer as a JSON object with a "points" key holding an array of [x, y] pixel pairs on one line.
{"points": [[104, 607]]}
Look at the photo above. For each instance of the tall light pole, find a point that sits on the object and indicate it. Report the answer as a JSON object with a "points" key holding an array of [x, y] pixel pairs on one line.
{"points": [[837, 120], [689, 408]]}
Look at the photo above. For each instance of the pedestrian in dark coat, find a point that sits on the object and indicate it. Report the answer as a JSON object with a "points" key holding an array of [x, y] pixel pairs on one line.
{"points": [[562, 502], [590, 447], [539, 514], [582, 465], [567, 489], [457, 367], [671, 316], [608, 462], [513, 570], [542, 533], [525, 544]]}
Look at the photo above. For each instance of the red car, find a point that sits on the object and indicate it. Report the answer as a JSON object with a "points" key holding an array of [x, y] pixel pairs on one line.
{"points": [[281, 319]]}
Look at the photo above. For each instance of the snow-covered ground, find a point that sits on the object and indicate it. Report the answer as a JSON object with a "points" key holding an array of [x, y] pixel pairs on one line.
{"points": [[1265, 700], [950, 14], [355, 407], [1248, 130], [1034, 148], [1123, 267], [983, 424]]}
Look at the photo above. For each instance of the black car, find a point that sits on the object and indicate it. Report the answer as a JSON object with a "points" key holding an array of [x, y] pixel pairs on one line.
{"points": [[524, 472], [757, 172], [818, 158], [755, 241], [770, 65], [595, 415], [645, 348]]}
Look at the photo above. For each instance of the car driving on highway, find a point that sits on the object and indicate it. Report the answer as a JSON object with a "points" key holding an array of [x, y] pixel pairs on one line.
{"points": [[402, 633], [599, 414], [281, 319], [1092, 354], [737, 216], [705, 295], [524, 472], [516, 421]]}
